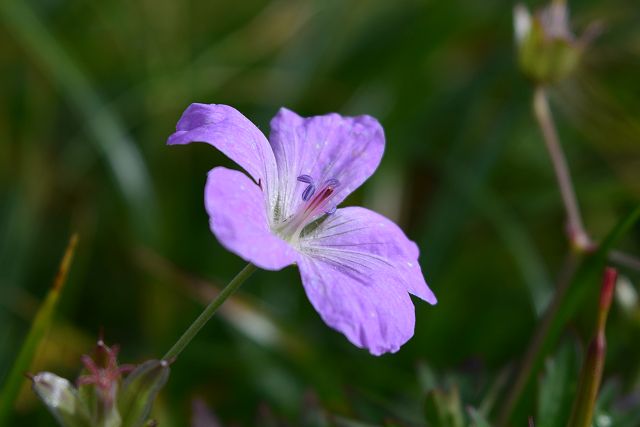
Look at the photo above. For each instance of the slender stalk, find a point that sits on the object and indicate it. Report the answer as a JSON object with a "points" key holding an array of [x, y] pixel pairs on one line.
{"points": [[209, 311], [526, 366], [625, 260], [591, 376], [575, 228]]}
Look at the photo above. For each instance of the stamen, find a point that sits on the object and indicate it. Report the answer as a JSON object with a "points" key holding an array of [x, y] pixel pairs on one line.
{"points": [[308, 192], [316, 202], [306, 179]]}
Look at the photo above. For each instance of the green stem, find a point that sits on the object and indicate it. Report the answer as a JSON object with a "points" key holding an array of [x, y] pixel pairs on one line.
{"points": [[209, 311]]}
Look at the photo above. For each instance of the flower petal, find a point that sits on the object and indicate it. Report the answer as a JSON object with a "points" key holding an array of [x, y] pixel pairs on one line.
{"points": [[358, 269], [358, 235], [347, 149], [366, 306], [229, 131], [238, 218]]}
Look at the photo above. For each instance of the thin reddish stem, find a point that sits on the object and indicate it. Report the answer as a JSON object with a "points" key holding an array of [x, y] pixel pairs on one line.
{"points": [[575, 228]]}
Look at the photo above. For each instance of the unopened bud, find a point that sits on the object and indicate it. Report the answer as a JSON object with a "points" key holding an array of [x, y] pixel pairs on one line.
{"points": [[140, 390], [61, 398]]}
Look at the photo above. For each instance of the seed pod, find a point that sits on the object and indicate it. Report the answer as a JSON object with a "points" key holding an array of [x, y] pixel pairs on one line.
{"points": [[547, 49]]}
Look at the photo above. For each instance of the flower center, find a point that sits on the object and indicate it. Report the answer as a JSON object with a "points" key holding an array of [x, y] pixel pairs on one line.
{"points": [[316, 202]]}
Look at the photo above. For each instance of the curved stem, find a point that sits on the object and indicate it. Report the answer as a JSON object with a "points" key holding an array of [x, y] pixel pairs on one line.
{"points": [[209, 311], [575, 228]]}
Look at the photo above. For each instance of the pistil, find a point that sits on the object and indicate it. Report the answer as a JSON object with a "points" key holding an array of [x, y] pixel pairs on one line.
{"points": [[314, 205]]}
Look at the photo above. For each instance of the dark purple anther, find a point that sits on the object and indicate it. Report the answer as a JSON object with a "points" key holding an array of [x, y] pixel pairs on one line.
{"points": [[331, 211], [332, 183], [306, 179], [308, 192]]}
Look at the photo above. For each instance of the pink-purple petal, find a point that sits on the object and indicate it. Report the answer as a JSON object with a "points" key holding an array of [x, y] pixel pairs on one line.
{"points": [[366, 237], [326, 147], [238, 218], [229, 131], [358, 269], [365, 306]]}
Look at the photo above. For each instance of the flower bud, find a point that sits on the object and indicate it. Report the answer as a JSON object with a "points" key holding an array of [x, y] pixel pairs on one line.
{"points": [[99, 384], [61, 398], [547, 49], [102, 397], [140, 390]]}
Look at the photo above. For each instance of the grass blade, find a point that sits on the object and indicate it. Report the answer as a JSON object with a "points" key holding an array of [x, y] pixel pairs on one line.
{"points": [[39, 327], [580, 288]]}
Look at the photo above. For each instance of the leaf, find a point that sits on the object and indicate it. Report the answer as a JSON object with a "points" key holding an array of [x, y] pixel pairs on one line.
{"points": [[444, 409], [557, 387], [477, 418], [39, 328], [426, 377]]}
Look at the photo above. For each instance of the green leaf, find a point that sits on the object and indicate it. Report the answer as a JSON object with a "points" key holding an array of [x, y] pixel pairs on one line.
{"points": [[444, 409], [426, 377], [477, 418], [557, 387]]}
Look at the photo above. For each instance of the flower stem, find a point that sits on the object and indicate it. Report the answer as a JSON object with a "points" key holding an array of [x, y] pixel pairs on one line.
{"points": [[625, 260], [578, 237], [209, 311]]}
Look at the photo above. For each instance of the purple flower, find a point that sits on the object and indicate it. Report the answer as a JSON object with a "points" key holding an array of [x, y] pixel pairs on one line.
{"points": [[358, 268]]}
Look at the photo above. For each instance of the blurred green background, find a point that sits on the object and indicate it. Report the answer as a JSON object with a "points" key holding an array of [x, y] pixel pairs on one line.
{"points": [[89, 92]]}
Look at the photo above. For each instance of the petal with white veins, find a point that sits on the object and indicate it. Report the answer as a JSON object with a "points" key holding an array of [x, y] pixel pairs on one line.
{"points": [[358, 269], [366, 306], [361, 233]]}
